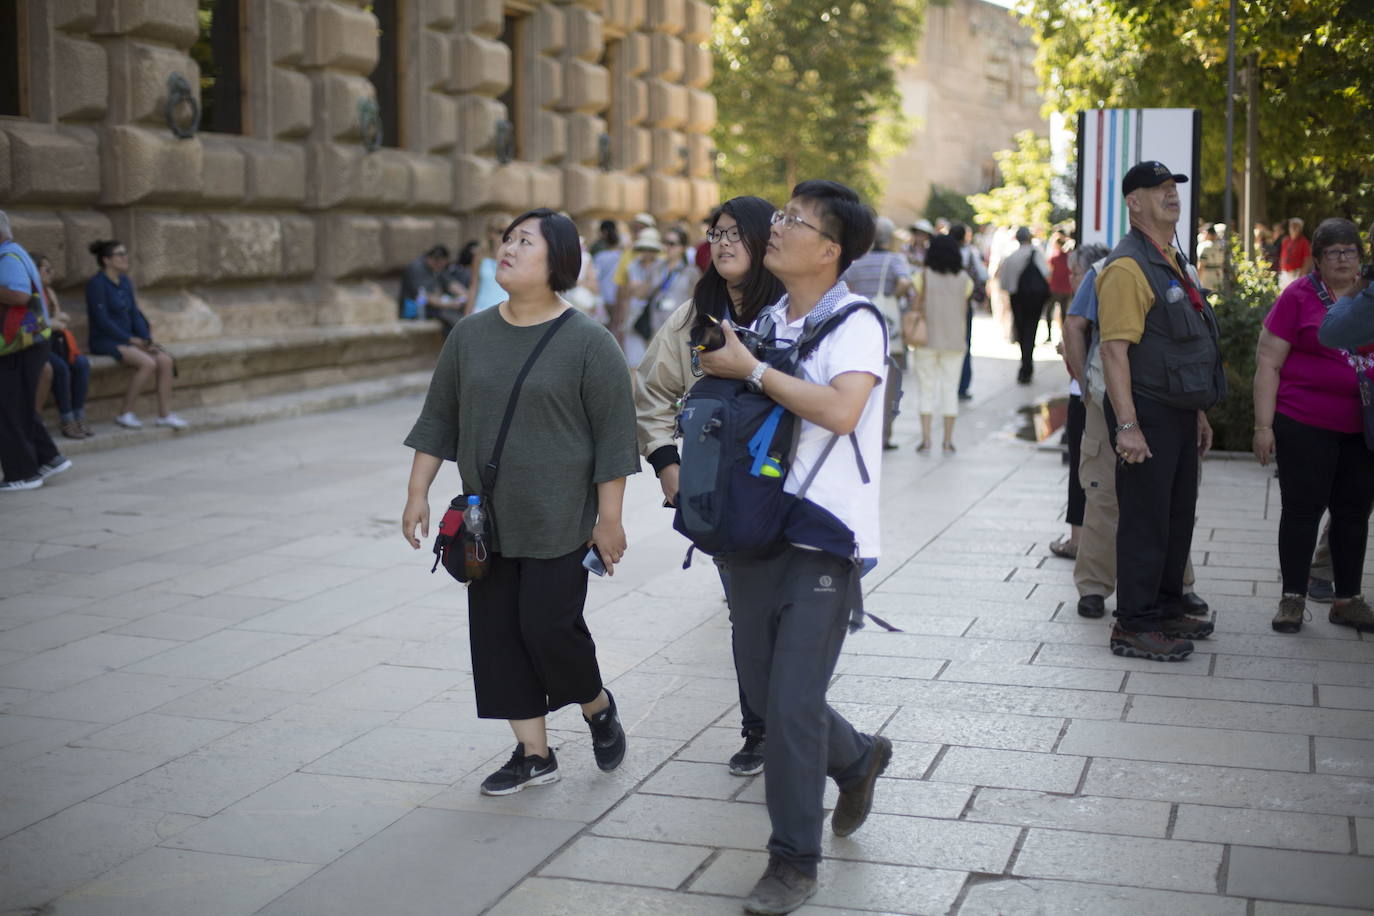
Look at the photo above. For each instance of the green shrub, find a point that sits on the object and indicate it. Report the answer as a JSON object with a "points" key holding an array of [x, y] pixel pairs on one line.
{"points": [[1240, 314], [950, 204]]}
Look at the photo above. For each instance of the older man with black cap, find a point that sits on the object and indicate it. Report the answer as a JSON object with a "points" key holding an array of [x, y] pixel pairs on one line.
{"points": [[1162, 363]]}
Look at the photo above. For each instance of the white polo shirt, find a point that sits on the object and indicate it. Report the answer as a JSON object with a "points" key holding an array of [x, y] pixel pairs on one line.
{"points": [[859, 344]]}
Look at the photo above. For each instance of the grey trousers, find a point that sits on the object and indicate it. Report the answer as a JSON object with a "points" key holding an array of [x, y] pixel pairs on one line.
{"points": [[790, 615]]}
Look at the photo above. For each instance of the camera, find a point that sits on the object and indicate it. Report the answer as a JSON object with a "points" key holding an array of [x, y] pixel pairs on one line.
{"points": [[705, 338]]}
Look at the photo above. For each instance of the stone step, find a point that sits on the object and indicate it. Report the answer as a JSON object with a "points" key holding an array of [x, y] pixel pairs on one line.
{"points": [[229, 371], [245, 413]]}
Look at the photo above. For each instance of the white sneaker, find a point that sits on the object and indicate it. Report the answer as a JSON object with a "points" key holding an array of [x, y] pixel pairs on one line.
{"points": [[56, 466], [173, 421], [33, 483], [128, 421]]}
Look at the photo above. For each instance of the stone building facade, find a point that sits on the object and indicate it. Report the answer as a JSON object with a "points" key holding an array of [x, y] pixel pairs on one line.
{"points": [[971, 90], [286, 218]]}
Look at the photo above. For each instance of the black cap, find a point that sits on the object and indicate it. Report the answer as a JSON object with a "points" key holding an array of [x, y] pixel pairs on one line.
{"points": [[1148, 174]]}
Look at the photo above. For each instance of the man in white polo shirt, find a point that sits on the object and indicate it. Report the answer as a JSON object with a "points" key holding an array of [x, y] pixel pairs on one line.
{"points": [[791, 610]]}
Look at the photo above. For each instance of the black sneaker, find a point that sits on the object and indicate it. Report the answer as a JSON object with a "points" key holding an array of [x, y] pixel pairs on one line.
{"points": [[854, 804], [1319, 589], [608, 738], [748, 760], [1193, 605], [1155, 646], [782, 889], [1186, 627], [1092, 606], [521, 772], [56, 466]]}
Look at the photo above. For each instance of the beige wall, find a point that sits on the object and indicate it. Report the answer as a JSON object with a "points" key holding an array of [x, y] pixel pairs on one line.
{"points": [[293, 223], [971, 90]]}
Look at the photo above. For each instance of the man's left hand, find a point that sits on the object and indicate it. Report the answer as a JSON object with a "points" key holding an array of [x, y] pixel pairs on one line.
{"points": [[1204, 434], [730, 361]]}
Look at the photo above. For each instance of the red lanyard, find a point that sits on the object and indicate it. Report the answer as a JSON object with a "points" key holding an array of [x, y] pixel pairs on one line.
{"points": [[1194, 295]]}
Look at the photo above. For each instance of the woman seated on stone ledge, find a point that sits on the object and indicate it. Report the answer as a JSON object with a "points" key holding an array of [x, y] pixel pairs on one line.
{"points": [[68, 371], [119, 329]]}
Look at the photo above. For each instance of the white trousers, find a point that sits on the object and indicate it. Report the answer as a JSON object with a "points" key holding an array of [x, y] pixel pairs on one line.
{"points": [[937, 380]]}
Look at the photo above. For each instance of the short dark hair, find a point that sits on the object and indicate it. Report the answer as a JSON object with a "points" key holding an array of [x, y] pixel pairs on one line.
{"points": [[102, 248], [844, 217], [465, 256], [565, 248], [958, 232], [943, 256], [1336, 231], [1023, 235], [438, 251]]}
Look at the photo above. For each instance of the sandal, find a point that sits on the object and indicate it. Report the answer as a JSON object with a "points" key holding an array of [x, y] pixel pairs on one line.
{"points": [[949, 448], [923, 447]]}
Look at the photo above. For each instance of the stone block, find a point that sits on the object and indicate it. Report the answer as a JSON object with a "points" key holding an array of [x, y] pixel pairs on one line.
{"points": [[340, 108], [275, 173], [51, 165], [286, 31], [670, 152], [405, 237], [667, 104], [291, 105], [705, 195], [145, 165], [583, 131], [143, 69], [242, 247], [82, 93], [73, 15], [696, 66], [696, 19], [440, 126], [351, 245], [586, 87], [701, 110], [480, 66], [701, 156], [343, 173], [546, 187], [166, 247], [634, 50], [625, 15], [477, 117], [638, 151], [665, 16], [635, 102], [436, 60], [42, 232], [297, 245], [473, 182], [224, 174], [669, 197], [437, 14], [171, 21], [548, 32], [340, 37], [582, 190], [481, 17], [585, 36], [82, 227], [666, 56], [548, 141], [510, 187], [545, 89]]}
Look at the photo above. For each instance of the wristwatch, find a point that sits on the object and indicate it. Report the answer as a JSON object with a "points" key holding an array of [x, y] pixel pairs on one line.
{"points": [[755, 379], [1122, 427]]}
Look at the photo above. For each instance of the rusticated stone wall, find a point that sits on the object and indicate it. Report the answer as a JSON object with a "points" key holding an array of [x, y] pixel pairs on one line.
{"points": [[294, 223]]}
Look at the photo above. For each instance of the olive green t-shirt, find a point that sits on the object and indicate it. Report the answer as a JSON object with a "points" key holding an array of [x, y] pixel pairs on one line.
{"points": [[574, 425]]}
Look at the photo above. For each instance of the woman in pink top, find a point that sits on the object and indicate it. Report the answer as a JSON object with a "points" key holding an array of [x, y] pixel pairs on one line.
{"points": [[1307, 401]]}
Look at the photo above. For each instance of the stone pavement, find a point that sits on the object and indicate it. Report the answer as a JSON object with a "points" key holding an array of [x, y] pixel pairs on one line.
{"points": [[228, 687]]}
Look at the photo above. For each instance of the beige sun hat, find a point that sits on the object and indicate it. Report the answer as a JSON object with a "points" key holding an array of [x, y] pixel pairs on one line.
{"points": [[648, 240]]}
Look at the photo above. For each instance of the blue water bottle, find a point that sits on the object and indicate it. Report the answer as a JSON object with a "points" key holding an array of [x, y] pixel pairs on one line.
{"points": [[474, 539]]}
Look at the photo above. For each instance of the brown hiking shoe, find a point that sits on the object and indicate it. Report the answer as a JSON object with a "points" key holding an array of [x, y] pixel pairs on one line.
{"points": [[1292, 609], [1155, 646], [1353, 613], [854, 804], [1186, 627]]}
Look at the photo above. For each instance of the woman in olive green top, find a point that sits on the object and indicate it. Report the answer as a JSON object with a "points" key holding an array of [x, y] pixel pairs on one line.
{"points": [[559, 490]]}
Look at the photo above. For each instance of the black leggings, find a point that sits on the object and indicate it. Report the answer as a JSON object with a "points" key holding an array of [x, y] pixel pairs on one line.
{"points": [[1025, 316], [1078, 415], [1318, 470]]}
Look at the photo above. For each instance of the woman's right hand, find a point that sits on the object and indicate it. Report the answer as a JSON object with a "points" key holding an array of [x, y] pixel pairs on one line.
{"points": [[416, 513], [1263, 445]]}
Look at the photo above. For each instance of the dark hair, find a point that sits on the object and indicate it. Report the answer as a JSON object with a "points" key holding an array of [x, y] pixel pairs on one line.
{"points": [[610, 232], [102, 249], [759, 289], [38, 258], [1023, 235], [943, 256], [843, 217], [469, 252], [1336, 231], [958, 232], [565, 248], [438, 251]]}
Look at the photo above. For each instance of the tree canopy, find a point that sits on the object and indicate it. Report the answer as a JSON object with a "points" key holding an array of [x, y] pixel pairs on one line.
{"points": [[1023, 197], [807, 89], [1315, 66]]}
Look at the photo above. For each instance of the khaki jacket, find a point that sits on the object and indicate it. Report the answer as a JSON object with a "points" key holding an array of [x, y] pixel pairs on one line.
{"points": [[661, 380]]}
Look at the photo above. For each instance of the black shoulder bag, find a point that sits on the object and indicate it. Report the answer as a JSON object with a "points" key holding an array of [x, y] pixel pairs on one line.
{"points": [[450, 542]]}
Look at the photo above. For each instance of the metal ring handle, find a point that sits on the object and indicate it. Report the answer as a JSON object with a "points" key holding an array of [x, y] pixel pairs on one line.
{"points": [[178, 94]]}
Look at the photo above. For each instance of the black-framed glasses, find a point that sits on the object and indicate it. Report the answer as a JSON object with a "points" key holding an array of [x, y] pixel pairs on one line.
{"points": [[789, 221], [714, 235], [1342, 254]]}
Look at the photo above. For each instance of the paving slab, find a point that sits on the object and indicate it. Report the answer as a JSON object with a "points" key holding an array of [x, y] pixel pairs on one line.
{"points": [[1252, 827], [1134, 861], [1033, 897], [1301, 877], [1185, 744], [604, 859], [1086, 813]]}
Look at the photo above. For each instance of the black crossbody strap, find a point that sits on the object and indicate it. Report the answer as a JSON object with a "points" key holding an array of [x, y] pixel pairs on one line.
{"points": [[489, 471]]}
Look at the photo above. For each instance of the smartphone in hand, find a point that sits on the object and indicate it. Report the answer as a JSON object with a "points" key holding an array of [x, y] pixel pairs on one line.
{"points": [[593, 562]]}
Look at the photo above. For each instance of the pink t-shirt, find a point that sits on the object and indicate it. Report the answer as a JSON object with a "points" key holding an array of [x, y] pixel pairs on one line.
{"points": [[1317, 385]]}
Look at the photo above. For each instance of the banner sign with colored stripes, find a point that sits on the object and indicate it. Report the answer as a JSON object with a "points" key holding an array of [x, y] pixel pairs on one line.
{"points": [[1110, 141]]}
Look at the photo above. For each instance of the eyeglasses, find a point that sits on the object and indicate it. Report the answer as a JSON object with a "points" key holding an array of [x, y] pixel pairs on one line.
{"points": [[791, 221], [1342, 254], [714, 235]]}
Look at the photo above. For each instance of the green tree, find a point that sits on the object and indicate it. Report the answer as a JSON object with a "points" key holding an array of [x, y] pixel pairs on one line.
{"points": [[807, 89], [1023, 197], [1315, 67]]}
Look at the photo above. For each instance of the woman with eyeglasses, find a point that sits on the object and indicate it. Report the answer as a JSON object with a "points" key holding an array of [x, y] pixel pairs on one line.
{"points": [[119, 329], [672, 287], [1308, 407], [735, 286]]}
